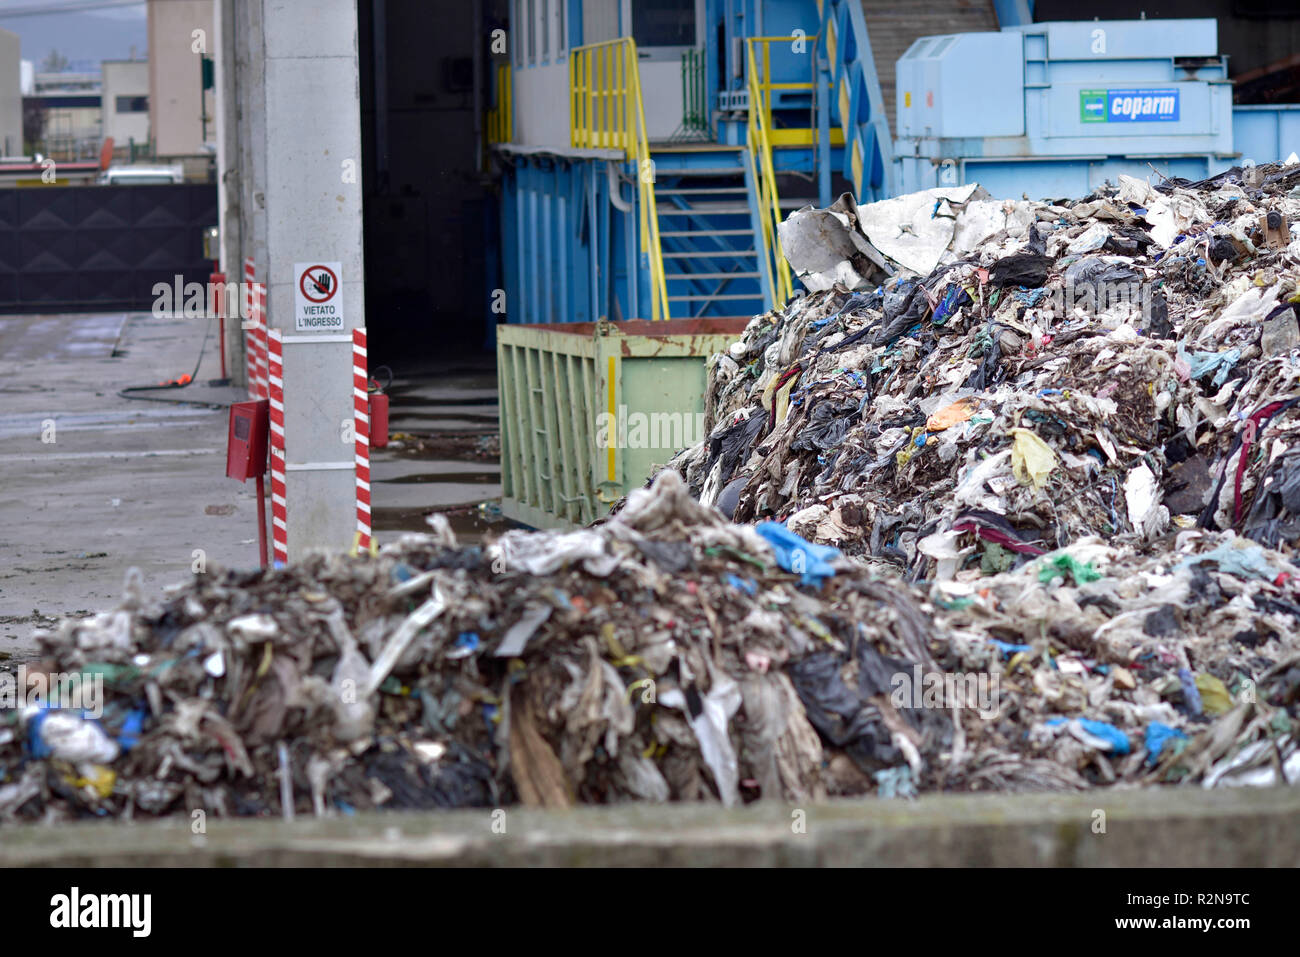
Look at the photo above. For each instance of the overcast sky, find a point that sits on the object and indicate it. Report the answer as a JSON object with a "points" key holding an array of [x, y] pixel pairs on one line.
{"points": [[91, 31]]}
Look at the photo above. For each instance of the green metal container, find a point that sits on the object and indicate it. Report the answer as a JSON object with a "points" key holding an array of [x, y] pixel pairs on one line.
{"points": [[590, 410]]}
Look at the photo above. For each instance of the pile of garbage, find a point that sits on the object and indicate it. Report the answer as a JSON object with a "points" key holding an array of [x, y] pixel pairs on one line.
{"points": [[1021, 374], [665, 654], [1015, 491]]}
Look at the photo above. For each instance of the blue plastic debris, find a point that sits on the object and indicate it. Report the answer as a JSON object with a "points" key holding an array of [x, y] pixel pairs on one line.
{"points": [[747, 585], [1158, 736], [1115, 739], [1007, 648], [1203, 363], [1242, 562], [129, 736], [895, 782], [796, 554], [1191, 694], [467, 643], [953, 299]]}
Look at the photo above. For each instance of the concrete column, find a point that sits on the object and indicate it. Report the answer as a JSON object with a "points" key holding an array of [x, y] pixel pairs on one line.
{"points": [[229, 193], [300, 107], [250, 111]]}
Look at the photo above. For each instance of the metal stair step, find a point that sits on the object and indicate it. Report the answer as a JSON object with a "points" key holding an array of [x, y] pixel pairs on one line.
{"points": [[713, 253], [710, 232], [664, 171], [699, 190], [717, 209], [710, 275], [732, 296]]}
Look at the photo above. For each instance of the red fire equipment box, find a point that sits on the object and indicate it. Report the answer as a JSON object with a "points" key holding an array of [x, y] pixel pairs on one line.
{"points": [[246, 443]]}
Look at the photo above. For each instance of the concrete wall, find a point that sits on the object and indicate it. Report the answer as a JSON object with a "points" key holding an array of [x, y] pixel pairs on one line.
{"points": [[126, 80], [542, 105], [291, 173], [600, 20], [177, 101], [539, 51], [11, 100], [1148, 827]]}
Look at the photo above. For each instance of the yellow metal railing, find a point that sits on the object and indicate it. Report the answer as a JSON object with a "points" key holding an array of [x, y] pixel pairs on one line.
{"points": [[500, 119], [762, 171], [606, 112], [763, 136]]}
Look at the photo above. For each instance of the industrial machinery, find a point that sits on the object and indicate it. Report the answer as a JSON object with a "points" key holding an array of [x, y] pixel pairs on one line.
{"points": [[1056, 109]]}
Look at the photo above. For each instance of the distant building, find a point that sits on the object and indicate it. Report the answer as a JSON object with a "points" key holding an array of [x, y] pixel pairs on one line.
{"points": [[181, 113], [72, 122], [11, 96], [125, 99]]}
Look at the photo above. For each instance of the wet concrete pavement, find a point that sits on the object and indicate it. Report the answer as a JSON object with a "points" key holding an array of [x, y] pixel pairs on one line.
{"points": [[444, 455], [93, 483]]}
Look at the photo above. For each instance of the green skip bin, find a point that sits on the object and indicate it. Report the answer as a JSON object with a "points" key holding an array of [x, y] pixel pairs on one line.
{"points": [[590, 410]]}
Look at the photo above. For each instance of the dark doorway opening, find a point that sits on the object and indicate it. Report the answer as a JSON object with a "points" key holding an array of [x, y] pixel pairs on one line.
{"points": [[428, 205]]}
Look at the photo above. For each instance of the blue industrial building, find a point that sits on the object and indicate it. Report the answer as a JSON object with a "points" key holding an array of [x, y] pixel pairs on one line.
{"points": [[647, 149]]}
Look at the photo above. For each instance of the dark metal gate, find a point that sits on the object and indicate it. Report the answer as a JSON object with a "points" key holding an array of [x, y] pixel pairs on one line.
{"points": [[79, 248]]}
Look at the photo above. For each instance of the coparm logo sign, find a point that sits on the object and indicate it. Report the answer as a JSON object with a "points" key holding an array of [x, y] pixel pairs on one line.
{"points": [[1128, 106]]}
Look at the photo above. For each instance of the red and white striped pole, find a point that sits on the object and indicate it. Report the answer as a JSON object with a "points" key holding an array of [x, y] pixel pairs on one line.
{"points": [[263, 371], [250, 327], [361, 428], [275, 390]]}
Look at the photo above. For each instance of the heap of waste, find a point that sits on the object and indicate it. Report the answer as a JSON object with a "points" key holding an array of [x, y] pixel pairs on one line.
{"points": [[1018, 486], [1027, 374], [663, 655]]}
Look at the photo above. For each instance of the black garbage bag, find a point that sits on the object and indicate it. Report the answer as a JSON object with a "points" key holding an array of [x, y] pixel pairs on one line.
{"points": [[1028, 270], [733, 444], [842, 715], [827, 423]]}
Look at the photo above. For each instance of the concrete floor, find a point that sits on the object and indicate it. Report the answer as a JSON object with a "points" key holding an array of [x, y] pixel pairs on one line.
{"points": [[118, 483], [134, 483]]}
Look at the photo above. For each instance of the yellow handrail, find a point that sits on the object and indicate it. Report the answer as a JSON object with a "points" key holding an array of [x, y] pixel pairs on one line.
{"points": [[606, 112], [500, 119], [761, 168]]}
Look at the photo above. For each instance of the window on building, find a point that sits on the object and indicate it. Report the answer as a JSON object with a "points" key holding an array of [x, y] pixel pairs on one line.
{"points": [[545, 29], [132, 104], [562, 44], [663, 23], [517, 33], [531, 26]]}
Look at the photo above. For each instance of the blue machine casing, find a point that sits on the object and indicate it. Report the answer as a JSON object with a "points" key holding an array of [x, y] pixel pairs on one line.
{"points": [[1055, 109]]}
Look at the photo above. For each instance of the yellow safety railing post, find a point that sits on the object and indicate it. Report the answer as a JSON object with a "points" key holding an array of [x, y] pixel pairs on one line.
{"points": [[762, 165], [500, 119], [608, 113]]}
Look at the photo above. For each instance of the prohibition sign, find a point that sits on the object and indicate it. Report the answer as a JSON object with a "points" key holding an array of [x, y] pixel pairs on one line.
{"points": [[318, 284]]}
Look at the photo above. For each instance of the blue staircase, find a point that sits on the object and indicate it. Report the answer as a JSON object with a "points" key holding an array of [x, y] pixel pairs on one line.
{"points": [[708, 230]]}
